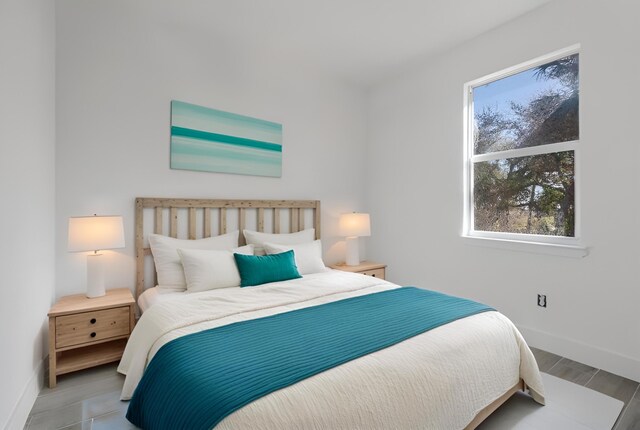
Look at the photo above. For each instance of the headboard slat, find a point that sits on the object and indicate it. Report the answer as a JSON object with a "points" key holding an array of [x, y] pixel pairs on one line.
{"points": [[276, 220], [223, 221], [295, 215], [260, 219], [207, 222], [157, 228], [297, 211], [242, 222], [173, 222], [139, 241], [192, 223], [316, 219]]}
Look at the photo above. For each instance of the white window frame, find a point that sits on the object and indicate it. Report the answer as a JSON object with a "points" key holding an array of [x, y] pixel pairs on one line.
{"points": [[555, 245]]}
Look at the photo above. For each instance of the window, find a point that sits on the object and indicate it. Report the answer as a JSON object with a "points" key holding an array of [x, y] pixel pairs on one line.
{"points": [[522, 146]]}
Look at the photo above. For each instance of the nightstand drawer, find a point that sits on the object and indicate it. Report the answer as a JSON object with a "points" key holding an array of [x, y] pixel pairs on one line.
{"points": [[91, 326], [376, 273]]}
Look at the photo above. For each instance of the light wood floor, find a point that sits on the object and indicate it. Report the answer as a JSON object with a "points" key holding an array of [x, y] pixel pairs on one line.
{"points": [[90, 399]]}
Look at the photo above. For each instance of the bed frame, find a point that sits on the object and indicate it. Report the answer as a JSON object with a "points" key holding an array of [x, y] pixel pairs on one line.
{"points": [[201, 215], [168, 215], [491, 408]]}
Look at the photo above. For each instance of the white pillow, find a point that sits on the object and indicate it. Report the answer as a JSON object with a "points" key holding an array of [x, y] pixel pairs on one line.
{"points": [[308, 256], [258, 238], [167, 260], [207, 270]]}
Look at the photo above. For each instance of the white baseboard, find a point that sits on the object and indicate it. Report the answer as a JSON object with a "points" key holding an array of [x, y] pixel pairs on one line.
{"points": [[18, 417], [610, 361]]}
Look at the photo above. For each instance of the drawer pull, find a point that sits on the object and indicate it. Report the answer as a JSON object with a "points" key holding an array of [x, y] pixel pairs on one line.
{"points": [[93, 334], [374, 275], [93, 321]]}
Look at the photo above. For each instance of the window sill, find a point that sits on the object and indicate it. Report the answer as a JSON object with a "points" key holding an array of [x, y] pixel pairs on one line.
{"points": [[572, 251]]}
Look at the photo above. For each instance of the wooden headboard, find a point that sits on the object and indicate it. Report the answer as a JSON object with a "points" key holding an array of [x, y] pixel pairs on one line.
{"points": [[199, 218]]}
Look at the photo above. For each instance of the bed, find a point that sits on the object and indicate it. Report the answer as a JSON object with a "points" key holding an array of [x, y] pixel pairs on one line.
{"points": [[450, 377]]}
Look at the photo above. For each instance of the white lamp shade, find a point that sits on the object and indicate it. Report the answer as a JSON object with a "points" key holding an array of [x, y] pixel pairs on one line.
{"points": [[93, 233], [354, 225]]}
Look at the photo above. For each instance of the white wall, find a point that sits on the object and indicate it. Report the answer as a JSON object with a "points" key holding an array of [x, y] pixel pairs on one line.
{"points": [[414, 178], [119, 63], [27, 132]]}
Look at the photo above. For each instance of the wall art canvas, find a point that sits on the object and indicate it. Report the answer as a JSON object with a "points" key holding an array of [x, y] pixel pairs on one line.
{"points": [[211, 140]]}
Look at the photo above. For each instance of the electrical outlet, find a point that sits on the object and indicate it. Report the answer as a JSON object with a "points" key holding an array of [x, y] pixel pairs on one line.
{"points": [[542, 300]]}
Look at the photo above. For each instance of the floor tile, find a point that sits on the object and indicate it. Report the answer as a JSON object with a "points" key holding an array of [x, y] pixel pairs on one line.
{"points": [[630, 419], [613, 385], [79, 411], [114, 420], [573, 371], [55, 420], [82, 377], [85, 425], [546, 360], [65, 396]]}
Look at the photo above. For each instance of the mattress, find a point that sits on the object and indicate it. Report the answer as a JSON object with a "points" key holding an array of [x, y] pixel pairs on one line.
{"points": [[439, 379]]}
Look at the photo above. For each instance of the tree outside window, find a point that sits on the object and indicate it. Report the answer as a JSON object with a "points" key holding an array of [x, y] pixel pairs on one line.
{"points": [[525, 131]]}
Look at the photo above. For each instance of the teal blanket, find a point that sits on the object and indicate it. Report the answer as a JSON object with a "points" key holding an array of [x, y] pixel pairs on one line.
{"points": [[195, 381]]}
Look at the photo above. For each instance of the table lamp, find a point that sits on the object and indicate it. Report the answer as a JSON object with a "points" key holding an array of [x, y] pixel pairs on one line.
{"points": [[352, 226], [95, 233]]}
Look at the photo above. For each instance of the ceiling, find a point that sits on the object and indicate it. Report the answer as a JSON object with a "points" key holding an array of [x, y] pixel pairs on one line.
{"points": [[359, 40]]}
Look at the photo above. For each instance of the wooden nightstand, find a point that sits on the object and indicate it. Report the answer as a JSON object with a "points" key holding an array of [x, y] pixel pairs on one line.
{"points": [[366, 268], [87, 332]]}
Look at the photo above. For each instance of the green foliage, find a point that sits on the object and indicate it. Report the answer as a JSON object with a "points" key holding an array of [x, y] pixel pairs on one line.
{"points": [[532, 194], [566, 70]]}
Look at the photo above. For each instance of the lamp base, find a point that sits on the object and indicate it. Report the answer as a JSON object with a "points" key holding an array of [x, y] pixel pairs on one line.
{"points": [[353, 252], [95, 276]]}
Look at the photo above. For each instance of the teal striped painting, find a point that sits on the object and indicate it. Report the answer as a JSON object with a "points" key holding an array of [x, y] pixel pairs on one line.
{"points": [[210, 140]]}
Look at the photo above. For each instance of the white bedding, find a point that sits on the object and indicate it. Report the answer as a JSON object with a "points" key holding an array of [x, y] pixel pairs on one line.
{"points": [[438, 380], [154, 295]]}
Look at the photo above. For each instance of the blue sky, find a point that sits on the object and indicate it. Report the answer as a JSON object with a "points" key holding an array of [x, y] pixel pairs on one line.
{"points": [[521, 88]]}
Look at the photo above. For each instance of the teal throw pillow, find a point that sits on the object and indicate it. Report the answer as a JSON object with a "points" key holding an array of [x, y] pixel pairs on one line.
{"points": [[260, 269]]}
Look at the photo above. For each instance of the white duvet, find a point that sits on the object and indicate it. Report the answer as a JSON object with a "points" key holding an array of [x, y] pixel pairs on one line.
{"points": [[437, 380]]}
